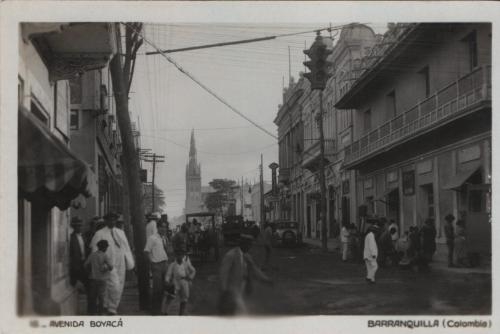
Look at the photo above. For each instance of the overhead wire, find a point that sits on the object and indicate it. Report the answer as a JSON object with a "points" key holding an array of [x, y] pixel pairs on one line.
{"points": [[180, 68]]}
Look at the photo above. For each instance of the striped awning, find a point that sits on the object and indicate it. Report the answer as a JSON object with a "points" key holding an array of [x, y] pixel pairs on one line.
{"points": [[47, 170]]}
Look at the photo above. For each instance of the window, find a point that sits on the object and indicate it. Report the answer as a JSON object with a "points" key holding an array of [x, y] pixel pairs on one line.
{"points": [[367, 120], [471, 41], [424, 73], [391, 104], [37, 110], [74, 122]]}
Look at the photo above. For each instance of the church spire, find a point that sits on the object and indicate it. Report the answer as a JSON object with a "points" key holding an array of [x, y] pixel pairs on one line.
{"points": [[192, 148]]}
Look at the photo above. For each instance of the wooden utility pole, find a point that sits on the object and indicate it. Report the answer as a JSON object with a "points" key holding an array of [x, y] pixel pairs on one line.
{"points": [[154, 158], [262, 213], [121, 76]]}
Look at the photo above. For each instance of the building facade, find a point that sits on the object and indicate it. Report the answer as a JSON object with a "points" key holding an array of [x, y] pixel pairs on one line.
{"points": [[421, 130], [52, 180], [298, 137], [95, 138]]}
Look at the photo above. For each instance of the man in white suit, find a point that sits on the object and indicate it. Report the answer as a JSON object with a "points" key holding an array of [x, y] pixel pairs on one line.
{"points": [[120, 253], [370, 254]]}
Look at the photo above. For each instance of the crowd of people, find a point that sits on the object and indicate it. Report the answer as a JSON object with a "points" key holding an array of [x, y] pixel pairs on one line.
{"points": [[415, 248]]}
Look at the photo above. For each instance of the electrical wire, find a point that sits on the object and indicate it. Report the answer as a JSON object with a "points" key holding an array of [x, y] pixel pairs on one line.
{"points": [[180, 68]]}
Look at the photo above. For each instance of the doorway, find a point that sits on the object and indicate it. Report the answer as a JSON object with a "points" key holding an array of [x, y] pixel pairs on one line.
{"points": [[308, 225], [393, 203]]}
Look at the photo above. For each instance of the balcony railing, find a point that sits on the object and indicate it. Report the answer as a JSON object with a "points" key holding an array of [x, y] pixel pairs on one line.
{"points": [[313, 152], [447, 103]]}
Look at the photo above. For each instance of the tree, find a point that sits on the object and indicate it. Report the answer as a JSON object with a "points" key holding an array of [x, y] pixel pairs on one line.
{"points": [[224, 191], [121, 76], [148, 198]]}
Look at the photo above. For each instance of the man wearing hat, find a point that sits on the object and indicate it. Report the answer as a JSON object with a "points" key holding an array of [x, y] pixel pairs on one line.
{"points": [[118, 249], [236, 274], [370, 253]]}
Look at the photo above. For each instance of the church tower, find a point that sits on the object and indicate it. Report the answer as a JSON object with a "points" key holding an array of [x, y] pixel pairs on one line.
{"points": [[193, 181]]}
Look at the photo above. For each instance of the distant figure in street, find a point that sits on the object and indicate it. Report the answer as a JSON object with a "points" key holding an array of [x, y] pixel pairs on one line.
{"points": [[180, 239], [428, 245], [413, 243], [344, 239], [449, 232], [460, 252], [119, 251], [237, 272], [180, 273], [99, 266], [268, 243], [370, 254], [89, 234], [156, 252], [394, 231], [385, 246], [354, 243]]}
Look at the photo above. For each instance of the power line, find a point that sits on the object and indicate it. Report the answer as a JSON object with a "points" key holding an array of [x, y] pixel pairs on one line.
{"points": [[201, 84]]}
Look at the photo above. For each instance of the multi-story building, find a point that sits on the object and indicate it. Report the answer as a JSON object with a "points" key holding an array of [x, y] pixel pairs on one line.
{"points": [[422, 128], [298, 136], [51, 179], [95, 138]]}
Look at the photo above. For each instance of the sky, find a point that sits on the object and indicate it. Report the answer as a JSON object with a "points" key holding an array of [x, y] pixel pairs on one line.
{"points": [[167, 104]]}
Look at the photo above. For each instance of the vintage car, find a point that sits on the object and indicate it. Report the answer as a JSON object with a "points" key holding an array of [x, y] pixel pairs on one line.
{"points": [[286, 233]]}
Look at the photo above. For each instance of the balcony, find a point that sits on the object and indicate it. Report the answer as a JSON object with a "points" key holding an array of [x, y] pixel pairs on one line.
{"points": [[284, 175], [453, 101], [311, 155], [71, 49]]}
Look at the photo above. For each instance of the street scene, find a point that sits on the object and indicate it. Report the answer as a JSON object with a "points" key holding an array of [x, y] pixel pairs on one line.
{"points": [[182, 169]]}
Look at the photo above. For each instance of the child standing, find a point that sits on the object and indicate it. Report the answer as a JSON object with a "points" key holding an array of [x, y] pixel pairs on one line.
{"points": [[181, 273], [100, 265]]}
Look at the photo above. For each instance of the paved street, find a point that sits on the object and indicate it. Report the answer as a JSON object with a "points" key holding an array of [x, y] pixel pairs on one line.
{"points": [[309, 282]]}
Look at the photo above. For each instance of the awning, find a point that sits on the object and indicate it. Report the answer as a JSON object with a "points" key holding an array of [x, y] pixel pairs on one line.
{"points": [[47, 170], [386, 193], [459, 179]]}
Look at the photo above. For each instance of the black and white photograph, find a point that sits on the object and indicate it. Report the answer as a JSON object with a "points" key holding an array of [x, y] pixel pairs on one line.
{"points": [[196, 160]]}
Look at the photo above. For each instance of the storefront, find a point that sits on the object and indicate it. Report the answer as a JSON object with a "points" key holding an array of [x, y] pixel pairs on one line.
{"points": [[50, 180]]}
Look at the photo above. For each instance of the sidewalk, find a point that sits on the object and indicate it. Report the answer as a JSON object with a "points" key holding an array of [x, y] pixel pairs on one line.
{"points": [[439, 262]]}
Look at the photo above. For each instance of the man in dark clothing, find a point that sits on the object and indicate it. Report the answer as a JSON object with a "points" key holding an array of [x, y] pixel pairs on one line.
{"points": [[77, 256], [449, 232], [428, 237]]}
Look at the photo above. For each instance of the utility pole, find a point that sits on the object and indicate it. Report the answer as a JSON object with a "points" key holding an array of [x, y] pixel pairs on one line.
{"points": [[241, 196], [154, 158], [318, 78], [121, 76], [262, 213]]}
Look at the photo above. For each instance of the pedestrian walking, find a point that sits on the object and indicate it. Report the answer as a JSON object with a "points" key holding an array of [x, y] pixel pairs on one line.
{"points": [[268, 243], [180, 273], [344, 239], [394, 231], [237, 272], [122, 260], [156, 253], [99, 265], [370, 254], [449, 232], [180, 239]]}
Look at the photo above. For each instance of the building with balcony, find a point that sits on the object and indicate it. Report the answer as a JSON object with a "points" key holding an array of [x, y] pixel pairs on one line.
{"points": [[422, 128], [52, 181], [298, 135], [95, 138]]}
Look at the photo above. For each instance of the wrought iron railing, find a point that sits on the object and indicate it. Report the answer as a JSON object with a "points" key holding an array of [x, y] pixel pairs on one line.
{"points": [[448, 102]]}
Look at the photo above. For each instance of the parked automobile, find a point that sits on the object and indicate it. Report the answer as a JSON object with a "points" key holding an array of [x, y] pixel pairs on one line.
{"points": [[286, 233]]}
